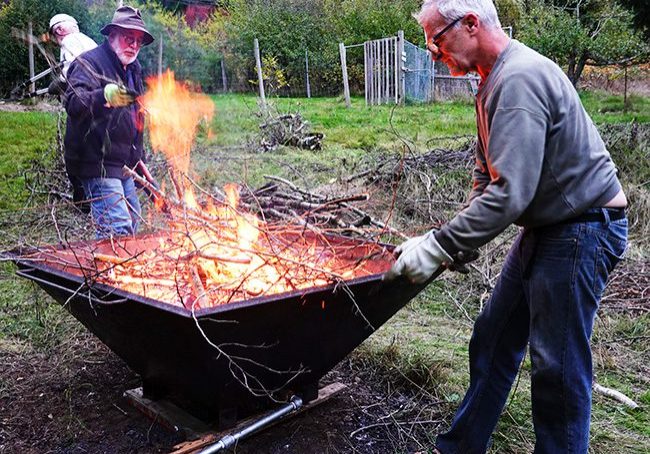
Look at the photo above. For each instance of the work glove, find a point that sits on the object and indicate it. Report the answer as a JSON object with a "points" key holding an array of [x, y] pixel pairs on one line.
{"points": [[117, 96], [461, 259], [418, 258]]}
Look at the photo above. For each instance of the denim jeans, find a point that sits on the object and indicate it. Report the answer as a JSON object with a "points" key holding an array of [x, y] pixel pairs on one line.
{"points": [[546, 296], [114, 205]]}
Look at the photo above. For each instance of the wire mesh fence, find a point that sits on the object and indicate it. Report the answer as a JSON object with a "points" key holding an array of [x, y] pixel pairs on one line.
{"points": [[373, 69], [419, 73]]}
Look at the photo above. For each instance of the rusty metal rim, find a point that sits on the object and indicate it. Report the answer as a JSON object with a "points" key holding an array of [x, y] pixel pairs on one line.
{"points": [[29, 266]]}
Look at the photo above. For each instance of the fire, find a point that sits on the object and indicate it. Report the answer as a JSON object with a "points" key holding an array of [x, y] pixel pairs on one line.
{"points": [[174, 114], [212, 252]]}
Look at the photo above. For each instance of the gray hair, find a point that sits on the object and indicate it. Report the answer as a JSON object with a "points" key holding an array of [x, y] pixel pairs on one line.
{"points": [[453, 9]]}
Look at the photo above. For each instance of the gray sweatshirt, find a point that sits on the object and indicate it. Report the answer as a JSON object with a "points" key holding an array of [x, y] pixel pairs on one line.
{"points": [[539, 157]]}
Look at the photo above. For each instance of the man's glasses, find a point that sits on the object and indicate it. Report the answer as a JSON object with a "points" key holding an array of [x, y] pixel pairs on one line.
{"points": [[131, 40], [433, 45]]}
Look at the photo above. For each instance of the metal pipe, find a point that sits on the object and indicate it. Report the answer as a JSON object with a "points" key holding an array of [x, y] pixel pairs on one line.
{"points": [[231, 439]]}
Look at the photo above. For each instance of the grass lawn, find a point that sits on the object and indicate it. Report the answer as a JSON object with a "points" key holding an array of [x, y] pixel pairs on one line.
{"points": [[369, 128], [427, 339], [23, 136]]}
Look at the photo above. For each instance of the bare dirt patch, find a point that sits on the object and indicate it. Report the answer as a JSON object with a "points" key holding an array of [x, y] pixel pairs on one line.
{"points": [[70, 401], [27, 106]]}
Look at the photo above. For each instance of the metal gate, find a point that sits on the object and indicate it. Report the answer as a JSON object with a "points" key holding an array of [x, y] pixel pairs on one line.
{"points": [[382, 74], [397, 71]]}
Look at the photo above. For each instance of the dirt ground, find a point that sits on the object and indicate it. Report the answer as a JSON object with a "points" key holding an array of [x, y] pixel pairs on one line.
{"points": [[72, 402], [43, 105]]}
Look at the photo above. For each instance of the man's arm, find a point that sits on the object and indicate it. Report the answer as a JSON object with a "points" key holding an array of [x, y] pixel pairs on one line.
{"points": [[514, 160], [85, 93], [480, 175]]}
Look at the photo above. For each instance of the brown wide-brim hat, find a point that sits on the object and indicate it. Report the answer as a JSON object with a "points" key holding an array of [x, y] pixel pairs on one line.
{"points": [[128, 18]]}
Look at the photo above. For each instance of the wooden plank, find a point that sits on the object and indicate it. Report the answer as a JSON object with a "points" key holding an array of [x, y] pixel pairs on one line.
{"points": [[344, 69], [378, 71], [307, 73], [371, 47], [402, 67], [365, 71], [208, 438], [260, 79], [395, 70], [30, 53], [224, 77], [166, 414]]}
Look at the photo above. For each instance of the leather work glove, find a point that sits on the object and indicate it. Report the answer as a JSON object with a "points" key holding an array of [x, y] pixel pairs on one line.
{"points": [[461, 259], [117, 96], [418, 258]]}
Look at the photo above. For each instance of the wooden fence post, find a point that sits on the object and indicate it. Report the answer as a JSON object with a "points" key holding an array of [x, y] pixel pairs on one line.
{"points": [[402, 67], [344, 69], [307, 73], [224, 78], [32, 86], [366, 70], [260, 79], [160, 53]]}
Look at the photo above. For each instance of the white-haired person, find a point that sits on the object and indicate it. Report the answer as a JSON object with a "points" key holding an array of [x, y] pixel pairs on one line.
{"points": [[542, 165], [64, 30]]}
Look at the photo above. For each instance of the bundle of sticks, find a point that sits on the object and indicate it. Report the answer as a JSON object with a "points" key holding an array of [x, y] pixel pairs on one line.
{"points": [[281, 200], [289, 130]]}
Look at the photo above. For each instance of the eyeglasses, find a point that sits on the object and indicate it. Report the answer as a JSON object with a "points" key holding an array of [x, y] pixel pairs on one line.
{"points": [[131, 40], [433, 45]]}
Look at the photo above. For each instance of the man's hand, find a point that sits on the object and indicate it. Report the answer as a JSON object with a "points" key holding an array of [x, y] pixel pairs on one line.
{"points": [[117, 96], [418, 258]]}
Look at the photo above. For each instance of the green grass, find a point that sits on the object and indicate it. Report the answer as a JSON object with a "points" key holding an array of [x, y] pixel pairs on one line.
{"points": [[23, 136], [606, 108], [357, 128], [368, 128]]}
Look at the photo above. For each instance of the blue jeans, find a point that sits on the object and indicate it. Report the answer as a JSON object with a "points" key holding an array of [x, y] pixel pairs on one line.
{"points": [[546, 296], [114, 205]]}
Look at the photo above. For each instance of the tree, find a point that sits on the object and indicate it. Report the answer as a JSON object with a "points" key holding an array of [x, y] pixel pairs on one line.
{"points": [[575, 34], [641, 10]]}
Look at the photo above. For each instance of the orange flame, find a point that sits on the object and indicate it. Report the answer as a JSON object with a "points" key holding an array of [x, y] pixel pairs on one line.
{"points": [[214, 252], [174, 114]]}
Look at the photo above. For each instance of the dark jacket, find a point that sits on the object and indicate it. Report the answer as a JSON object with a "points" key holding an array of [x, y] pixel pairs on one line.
{"points": [[100, 140]]}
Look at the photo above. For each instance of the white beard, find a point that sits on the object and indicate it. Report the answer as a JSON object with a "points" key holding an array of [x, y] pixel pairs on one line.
{"points": [[124, 59]]}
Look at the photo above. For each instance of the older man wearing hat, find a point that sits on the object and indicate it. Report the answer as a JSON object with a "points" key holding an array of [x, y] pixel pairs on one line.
{"points": [[104, 126]]}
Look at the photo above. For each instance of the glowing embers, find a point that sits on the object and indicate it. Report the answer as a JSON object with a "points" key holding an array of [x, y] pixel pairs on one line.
{"points": [[199, 270], [210, 253]]}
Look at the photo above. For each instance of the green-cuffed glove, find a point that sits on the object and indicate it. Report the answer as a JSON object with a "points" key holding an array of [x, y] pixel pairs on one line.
{"points": [[418, 258], [117, 96]]}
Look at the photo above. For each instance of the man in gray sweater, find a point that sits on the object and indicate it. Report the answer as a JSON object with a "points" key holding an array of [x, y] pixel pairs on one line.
{"points": [[540, 164]]}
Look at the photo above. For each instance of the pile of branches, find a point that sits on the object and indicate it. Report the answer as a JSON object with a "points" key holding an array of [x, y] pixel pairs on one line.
{"points": [[282, 201], [628, 289], [391, 168], [430, 186], [288, 130]]}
